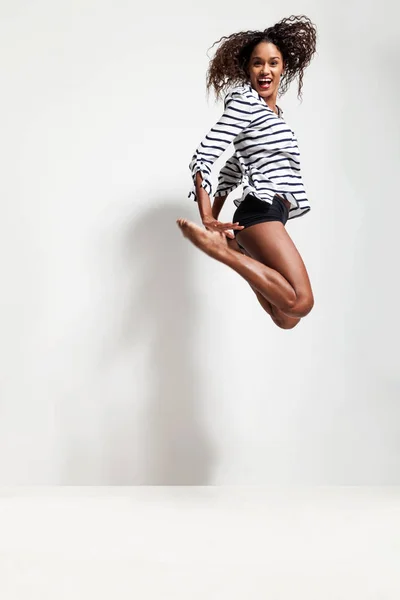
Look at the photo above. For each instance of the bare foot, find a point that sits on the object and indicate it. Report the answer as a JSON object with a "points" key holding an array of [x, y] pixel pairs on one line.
{"points": [[213, 243]]}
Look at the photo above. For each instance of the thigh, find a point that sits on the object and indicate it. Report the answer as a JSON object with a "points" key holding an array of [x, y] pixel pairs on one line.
{"points": [[279, 318], [271, 244]]}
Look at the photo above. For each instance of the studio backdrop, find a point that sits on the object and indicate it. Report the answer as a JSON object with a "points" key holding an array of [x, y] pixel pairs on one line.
{"points": [[130, 357]]}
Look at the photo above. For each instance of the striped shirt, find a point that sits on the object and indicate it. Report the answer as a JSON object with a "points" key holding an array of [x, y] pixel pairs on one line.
{"points": [[266, 158]]}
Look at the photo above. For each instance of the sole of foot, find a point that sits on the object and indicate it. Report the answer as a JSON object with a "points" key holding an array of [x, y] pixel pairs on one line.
{"points": [[213, 243]]}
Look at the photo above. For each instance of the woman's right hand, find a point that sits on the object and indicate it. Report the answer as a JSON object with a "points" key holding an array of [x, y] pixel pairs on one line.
{"points": [[214, 225]]}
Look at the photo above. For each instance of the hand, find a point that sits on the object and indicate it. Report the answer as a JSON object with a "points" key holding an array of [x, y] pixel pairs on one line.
{"points": [[214, 225]]}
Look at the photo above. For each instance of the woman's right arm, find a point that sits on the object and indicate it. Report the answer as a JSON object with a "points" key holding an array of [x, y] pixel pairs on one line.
{"points": [[208, 215], [203, 199], [230, 177], [237, 115]]}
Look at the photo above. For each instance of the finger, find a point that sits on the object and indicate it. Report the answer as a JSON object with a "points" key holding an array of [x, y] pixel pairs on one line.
{"points": [[229, 235], [232, 225], [227, 225]]}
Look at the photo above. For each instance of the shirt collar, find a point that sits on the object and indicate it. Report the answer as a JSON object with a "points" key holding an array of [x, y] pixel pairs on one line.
{"points": [[257, 95]]}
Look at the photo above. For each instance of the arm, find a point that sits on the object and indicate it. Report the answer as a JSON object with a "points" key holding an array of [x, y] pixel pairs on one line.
{"points": [[203, 199], [209, 215], [217, 205], [230, 177], [237, 115]]}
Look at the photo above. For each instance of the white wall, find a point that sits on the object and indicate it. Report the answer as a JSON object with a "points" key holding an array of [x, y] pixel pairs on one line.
{"points": [[128, 357]]}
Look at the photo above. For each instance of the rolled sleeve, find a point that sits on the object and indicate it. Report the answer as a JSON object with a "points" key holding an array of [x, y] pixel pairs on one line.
{"points": [[198, 165]]}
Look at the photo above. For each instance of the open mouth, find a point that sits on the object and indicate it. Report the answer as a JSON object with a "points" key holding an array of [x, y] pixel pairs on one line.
{"points": [[265, 83]]}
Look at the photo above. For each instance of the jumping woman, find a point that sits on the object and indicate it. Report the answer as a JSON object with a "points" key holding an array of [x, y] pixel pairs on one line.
{"points": [[253, 68]]}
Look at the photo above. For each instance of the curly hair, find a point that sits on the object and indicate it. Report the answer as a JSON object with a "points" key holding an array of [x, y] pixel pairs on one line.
{"points": [[295, 37]]}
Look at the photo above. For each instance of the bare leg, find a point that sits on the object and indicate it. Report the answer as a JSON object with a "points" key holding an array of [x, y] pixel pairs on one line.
{"points": [[273, 286], [278, 317], [270, 244]]}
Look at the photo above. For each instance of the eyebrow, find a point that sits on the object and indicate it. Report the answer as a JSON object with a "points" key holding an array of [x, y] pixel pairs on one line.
{"points": [[272, 57]]}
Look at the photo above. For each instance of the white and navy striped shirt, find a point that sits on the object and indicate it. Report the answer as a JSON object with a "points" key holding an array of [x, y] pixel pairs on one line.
{"points": [[266, 158]]}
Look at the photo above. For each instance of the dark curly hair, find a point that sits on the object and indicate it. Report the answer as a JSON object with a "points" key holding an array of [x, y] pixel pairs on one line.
{"points": [[295, 37]]}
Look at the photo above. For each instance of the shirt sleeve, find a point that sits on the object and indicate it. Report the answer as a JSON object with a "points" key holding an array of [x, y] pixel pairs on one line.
{"points": [[237, 115], [230, 177]]}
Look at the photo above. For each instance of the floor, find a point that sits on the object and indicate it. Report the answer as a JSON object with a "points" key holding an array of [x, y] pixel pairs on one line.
{"points": [[200, 543]]}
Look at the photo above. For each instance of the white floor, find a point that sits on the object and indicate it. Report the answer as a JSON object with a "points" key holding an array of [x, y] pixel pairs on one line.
{"points": [[200, 543]]}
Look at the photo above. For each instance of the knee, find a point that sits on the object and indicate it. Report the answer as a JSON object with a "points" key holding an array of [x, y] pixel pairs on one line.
{"points": [[288, 323], [305, 306], [302, 306]]}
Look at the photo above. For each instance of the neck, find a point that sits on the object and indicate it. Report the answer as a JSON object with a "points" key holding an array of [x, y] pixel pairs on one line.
{"points": [[271, 102]]}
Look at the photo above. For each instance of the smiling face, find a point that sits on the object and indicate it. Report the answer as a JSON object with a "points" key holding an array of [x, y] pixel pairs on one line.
{"points": [[265, 69]]}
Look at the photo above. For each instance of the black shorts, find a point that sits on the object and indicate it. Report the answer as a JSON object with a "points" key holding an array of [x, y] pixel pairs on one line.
{"points": [[252, 211]]}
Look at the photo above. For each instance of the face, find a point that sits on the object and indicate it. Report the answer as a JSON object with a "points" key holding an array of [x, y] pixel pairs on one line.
{"points": [[265, 69]]}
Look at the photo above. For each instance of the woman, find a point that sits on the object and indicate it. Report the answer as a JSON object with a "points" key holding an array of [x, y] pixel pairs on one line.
{"points": [[257, 66]]}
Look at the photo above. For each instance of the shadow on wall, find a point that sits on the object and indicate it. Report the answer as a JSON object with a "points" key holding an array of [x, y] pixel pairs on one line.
{"points": [[162, 315]]}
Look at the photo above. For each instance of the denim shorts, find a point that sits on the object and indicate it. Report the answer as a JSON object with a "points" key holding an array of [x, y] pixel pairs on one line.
{"points": [[252, 211]]}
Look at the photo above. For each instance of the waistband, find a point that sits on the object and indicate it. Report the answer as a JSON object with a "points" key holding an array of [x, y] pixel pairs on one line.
{"points": [[278, 196]]}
